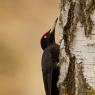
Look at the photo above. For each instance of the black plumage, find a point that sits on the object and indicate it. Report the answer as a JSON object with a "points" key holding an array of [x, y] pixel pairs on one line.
{"points": [[50, 59]]}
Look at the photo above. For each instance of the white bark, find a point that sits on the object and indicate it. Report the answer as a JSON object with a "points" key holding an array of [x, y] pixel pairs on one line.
{"points": [[77, 50]]}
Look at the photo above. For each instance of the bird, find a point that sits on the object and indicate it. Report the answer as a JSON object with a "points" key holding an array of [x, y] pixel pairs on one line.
{"points": [[50, 59]]}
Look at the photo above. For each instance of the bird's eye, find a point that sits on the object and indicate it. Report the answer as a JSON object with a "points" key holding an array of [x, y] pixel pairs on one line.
{"points": [[45, 36]]}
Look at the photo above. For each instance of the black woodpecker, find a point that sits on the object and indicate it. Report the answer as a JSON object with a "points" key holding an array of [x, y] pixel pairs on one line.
{"points": [[50, 59]]}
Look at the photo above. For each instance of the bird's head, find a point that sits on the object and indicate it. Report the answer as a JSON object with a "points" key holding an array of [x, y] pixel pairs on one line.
{"points": [[49, 37]]}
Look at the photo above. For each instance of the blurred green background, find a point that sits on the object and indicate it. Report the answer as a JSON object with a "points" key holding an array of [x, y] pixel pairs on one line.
{"points": [[22, 23]]}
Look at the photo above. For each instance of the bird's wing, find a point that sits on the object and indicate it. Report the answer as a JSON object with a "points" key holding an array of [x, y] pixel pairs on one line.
{"points": [[45, 83], [47, 69], [49, 80]]}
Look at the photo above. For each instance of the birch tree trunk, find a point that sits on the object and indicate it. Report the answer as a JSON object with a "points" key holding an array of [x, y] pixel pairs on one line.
{"points": [[77, 49]]}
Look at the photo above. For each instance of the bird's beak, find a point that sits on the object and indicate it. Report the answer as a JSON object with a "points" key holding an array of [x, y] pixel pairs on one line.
{"points": [[53, 27]]}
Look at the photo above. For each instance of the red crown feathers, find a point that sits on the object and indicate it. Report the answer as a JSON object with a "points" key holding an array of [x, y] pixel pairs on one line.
{"points": [[46, 34]]}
